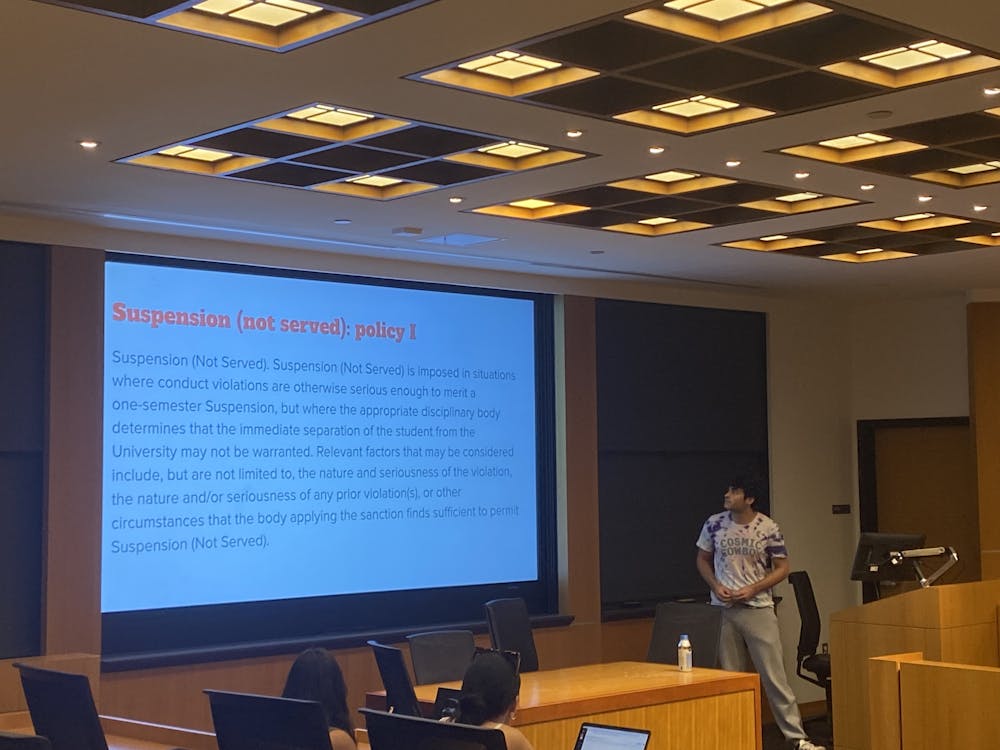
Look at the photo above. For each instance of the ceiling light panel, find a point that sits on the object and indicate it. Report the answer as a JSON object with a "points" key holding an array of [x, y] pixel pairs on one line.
{"points": [[907, 236], [333, 149], [942, 151], [691, 66], [276, 25], [668, 202]]}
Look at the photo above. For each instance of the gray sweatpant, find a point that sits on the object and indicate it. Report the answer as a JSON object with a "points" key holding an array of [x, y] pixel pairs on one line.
{"points": [[755, 630]]}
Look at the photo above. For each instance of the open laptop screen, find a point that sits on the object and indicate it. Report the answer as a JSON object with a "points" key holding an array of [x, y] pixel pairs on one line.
{"points": [[603, 737]]}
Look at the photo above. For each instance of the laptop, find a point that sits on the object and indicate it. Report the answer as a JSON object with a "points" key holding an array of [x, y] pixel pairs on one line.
{"points": [[605, 737]]}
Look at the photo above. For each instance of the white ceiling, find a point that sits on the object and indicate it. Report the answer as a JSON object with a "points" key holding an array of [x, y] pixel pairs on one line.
{"points": [[69, 75]]}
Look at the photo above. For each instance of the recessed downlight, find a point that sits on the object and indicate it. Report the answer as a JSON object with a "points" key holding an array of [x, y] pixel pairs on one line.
{"points": [[342, 222], [733, 163], [574, 133], [455, 199], [868, 186], [925, 198], [991, 90], [656, 150], [88, 144], [979, 207], [801, 175]]}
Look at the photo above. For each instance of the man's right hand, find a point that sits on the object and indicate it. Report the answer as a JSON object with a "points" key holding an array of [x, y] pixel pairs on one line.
{"points": [[722, 593]]}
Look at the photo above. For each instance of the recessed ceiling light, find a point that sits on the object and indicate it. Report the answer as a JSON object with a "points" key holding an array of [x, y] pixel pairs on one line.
{"points": [[510, 65], [925, 198], [855, 141], [912, 217], [455, 199], [341, 221], [89, 145], [597, 252], [991, 90], [574, 133], [774, 237], [868, 186], [801, 175], [655, 150], [979, 207], [880, 114], [733, 163], [869, 250], [531, 203]]}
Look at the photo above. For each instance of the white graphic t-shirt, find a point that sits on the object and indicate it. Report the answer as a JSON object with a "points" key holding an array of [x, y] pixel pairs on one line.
{"points": [[742, 553]]}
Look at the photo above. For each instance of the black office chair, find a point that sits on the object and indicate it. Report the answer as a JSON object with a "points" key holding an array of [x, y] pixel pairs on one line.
{"points": [[394, 732], [441, 655], [700, 621], [808, 657], [399, 695], [244, 721], [62, 708], [15, 741], [510, 630]]}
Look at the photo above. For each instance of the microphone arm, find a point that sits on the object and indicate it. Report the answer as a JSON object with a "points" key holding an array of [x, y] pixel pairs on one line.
{"points": [[897, 558]]}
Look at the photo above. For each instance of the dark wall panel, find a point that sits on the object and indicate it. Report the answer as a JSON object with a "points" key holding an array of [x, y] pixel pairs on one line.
{"points": [[682, 409], [22, 436]]}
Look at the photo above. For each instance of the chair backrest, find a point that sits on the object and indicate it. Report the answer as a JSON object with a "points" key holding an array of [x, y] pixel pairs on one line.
{"points": [[14, 741], [399, 695], [805, 600], [264, 722], [395, 732], [700, 621], [441, 655], [510, 630], [62, 708]]}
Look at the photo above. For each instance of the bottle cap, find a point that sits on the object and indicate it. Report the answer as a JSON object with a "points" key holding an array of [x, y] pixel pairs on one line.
{"points": [[684, 636]]}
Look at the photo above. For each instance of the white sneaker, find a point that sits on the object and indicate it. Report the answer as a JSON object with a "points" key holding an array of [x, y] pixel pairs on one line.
{"points": [[807, 745]]}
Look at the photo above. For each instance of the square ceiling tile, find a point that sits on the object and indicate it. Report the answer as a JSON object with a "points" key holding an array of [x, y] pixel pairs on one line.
{"points": [[800, 91], [738, 192], [828, 39], [289, 174], [728, 215], [598, 196], [606, 96], [609, 46], [987, 148], [593, 219], [915, 162], [710, 69], [356, 159], [257, 142], [429, 141], [967, 127], [667, 205], [442, 173]]}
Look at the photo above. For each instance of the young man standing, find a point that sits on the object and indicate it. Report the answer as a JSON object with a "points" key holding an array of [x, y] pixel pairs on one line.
{"points": [[741, 555]]}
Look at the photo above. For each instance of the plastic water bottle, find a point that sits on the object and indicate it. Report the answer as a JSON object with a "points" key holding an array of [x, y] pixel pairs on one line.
{"points": [[684, 656]]}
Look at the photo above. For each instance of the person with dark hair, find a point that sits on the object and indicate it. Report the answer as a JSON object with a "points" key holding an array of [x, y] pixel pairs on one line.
{"points": [[316, 676], [741, 556], [489, 698]]}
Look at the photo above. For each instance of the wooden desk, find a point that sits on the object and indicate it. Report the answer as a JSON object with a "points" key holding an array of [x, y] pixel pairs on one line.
{"points": [[704, 709]]}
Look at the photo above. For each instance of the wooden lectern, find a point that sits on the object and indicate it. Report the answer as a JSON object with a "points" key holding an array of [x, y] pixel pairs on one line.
{"points": [[955, 623]]}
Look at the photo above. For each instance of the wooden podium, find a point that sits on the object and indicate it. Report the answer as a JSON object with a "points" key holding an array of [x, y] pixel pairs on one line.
{"points": [[956, 623]]}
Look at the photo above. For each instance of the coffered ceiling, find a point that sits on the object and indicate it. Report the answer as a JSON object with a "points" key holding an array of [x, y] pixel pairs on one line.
{"points": [[776, 145]]}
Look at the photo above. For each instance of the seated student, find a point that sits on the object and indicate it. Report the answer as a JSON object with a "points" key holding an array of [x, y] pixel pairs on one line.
{"points": [[489, 698], [316, 676]]}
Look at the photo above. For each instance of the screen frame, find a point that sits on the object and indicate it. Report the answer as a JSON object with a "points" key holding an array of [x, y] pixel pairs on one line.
{"points": [[158, 631]]}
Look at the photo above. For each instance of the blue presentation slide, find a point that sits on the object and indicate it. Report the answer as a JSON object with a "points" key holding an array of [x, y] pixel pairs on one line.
{"points": [[270, 437]]}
